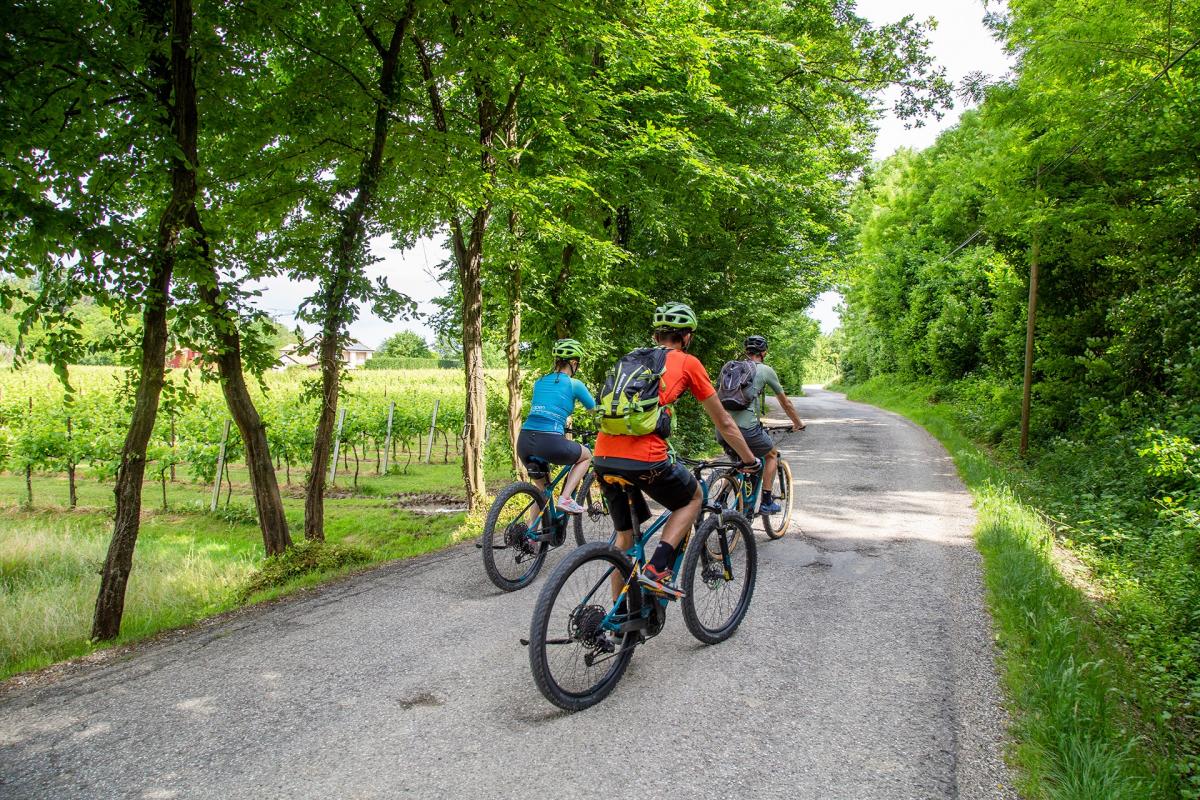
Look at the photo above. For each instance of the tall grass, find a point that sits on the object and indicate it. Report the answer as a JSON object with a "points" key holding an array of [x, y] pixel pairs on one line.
{"points": [[1075, 736], [49, 576]]}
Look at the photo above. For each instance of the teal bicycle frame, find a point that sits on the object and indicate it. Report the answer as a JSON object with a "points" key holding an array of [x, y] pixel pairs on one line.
{"points": [[633, 619]]}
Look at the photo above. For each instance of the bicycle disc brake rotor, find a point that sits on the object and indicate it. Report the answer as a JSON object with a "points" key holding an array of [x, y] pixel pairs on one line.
{"points": [[516, 536], [713, 573]]}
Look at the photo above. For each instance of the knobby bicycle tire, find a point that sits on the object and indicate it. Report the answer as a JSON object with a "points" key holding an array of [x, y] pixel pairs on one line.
{"points": [[543, 627], [491, 547], [702, 575], [776, 525]]}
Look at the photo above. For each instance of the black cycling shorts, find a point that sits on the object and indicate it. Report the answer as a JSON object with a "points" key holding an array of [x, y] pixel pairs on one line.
{"points": [[554, 448], [757, 439], [668, 483]]}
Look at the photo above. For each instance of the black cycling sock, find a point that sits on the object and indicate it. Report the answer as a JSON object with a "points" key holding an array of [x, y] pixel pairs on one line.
{"points": [[662, 556], [766, 495]]}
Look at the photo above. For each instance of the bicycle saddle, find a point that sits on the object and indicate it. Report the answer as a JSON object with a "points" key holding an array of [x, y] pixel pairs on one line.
{"points": [[538, 468]]}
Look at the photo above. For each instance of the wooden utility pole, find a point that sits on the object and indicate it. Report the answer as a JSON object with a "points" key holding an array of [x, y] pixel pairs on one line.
{"points": [[1031, 317]]}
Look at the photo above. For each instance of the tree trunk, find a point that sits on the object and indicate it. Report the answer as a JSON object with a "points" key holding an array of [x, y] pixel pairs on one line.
{"points": [[263, 484], [72, 496], [314, 500], [110, 603], [562, 327], [470, 260], [512, 352], [347, 259], [176, 93], [28, 486]]}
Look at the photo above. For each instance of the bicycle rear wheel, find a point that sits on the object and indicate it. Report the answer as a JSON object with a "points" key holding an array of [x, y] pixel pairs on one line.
{"points": [[725, 490], [575, 662], [594, 524], [511, 557], [776, 525], [719, 570]]}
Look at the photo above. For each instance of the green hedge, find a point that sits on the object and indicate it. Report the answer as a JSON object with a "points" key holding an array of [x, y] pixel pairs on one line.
{"points": [[399, 362]]}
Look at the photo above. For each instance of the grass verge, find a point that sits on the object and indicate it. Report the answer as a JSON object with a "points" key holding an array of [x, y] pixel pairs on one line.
{"points": [[189, 564], [1076, 733]]}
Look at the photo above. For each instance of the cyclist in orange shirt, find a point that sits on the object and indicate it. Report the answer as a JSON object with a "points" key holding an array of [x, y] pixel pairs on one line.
{"points": [[643, 461]]}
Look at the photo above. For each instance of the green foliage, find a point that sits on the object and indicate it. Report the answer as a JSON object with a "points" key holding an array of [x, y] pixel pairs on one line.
{"points": [[401, 362], [404, 344], [300, 560]]}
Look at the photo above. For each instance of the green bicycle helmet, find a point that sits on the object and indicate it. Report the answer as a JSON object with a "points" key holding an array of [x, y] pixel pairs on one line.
{"points": [[675, 315], [567, 349]]}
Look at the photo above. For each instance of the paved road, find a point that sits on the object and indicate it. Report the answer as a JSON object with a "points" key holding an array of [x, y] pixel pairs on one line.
{"points": [[863, 670]]}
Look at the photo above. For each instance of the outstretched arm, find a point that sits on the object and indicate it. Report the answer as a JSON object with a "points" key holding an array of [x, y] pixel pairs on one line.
{"points": [[730, 432], [790, 410]]}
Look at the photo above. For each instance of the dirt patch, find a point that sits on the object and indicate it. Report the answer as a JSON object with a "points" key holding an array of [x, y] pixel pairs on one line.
{"points": [[428, 503]]}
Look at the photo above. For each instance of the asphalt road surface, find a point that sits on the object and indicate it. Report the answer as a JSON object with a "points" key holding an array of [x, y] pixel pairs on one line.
{"points": [[864, 669]]}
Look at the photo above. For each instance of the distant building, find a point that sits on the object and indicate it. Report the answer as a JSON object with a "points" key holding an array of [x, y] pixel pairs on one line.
{"points": [[354, 354], [183, 358]]}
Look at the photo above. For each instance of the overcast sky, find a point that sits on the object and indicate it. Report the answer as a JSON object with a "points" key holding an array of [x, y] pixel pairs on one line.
{"points": [[960, 43]]}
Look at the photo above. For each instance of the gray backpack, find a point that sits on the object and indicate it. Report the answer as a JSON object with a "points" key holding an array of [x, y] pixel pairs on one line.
{"points": [[735, 385]]}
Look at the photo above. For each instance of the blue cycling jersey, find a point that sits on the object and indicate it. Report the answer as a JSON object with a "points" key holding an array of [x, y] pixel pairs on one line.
{"points": [[554, 397]]}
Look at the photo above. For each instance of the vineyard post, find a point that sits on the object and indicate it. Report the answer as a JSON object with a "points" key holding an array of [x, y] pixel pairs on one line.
{"points": [[387, 442], [337, 442], [432, 426], [72, 498], [216, 495]]}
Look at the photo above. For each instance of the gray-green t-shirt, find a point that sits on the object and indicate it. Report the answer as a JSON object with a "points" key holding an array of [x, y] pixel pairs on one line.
{"points": [[763, 376]]}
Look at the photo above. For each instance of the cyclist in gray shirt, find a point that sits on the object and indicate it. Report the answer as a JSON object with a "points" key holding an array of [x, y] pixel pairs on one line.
{"points": [[747, 420]]}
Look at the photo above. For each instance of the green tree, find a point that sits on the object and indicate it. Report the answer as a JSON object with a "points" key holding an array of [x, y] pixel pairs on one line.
{"points": [[404, 344]]}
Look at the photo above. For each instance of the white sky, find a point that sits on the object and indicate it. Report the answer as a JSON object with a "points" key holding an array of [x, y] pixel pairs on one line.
{"points": [[960, 43]]}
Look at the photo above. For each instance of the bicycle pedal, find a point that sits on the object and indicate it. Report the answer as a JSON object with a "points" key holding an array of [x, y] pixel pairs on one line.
{"points": [[661, 589]]}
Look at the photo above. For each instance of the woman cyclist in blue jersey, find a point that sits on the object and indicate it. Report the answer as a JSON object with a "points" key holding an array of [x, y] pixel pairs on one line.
{"points": [[543, 433]]}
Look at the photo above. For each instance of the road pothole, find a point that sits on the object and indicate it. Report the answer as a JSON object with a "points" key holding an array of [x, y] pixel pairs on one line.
{"points": [[420, 699], [850, 562]]}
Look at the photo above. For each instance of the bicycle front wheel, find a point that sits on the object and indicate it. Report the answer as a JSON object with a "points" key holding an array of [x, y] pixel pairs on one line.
{"points": [[776, 525], [719, 569], [575, 660], [725, 490], [594, 524], [511, 554]]}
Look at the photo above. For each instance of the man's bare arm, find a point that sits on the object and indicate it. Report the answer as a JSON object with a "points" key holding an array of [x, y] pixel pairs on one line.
{"points": [[790, 410], [730, 432]]}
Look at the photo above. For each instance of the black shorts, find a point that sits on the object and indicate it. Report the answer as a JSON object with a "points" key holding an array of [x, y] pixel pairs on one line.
{"points": [[757, 439], [554, 448], [668, 483]]}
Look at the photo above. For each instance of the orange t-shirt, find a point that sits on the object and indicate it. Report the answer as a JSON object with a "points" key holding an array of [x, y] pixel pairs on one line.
{"points": [[682, 372]]}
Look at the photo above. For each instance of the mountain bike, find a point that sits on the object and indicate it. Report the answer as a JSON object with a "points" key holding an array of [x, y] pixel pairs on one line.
{"points": [[523, 524], [730, 489], [592, 613]]}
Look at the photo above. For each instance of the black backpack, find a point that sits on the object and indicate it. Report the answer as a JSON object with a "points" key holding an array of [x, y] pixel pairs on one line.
{"points": [[735, 385]]}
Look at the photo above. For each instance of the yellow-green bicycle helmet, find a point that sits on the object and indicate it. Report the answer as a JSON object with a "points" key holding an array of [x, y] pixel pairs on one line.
{"points": [[567, 349], [675, 315]]}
